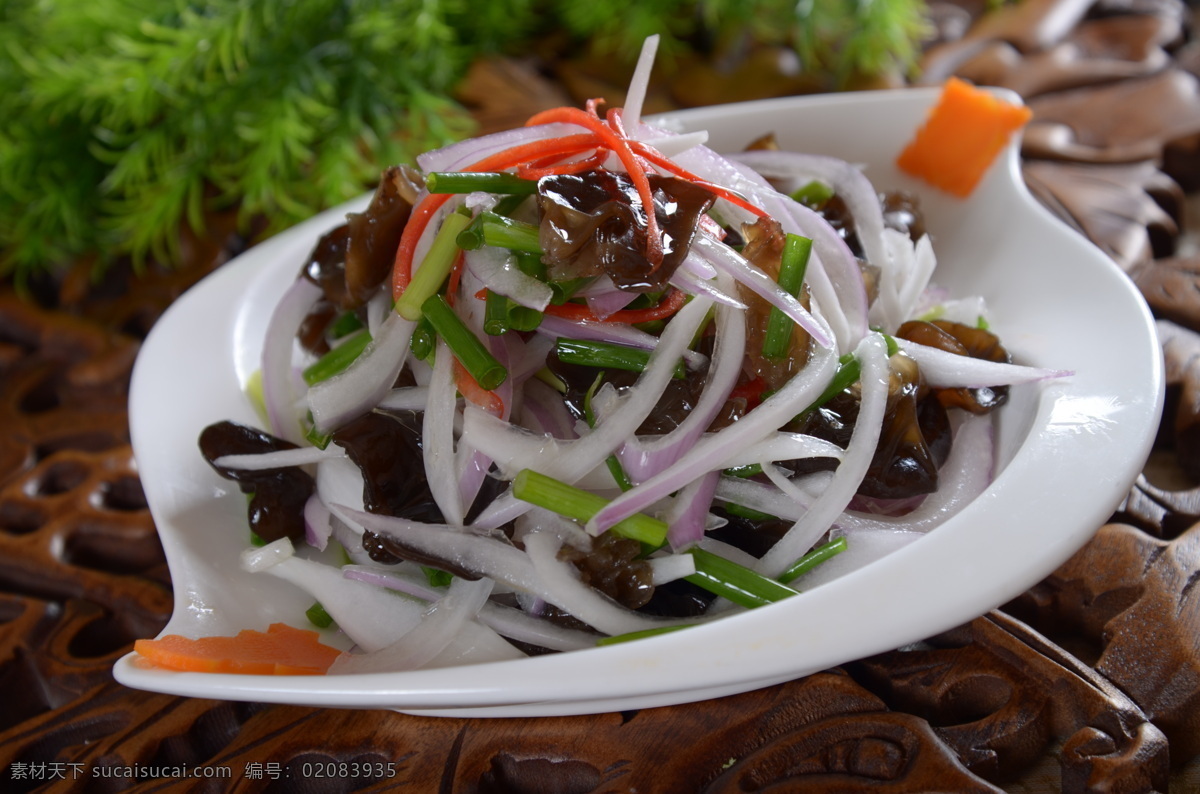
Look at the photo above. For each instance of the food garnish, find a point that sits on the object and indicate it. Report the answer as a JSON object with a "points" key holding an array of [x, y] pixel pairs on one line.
{"points": [[280, 650], [962, 137]]}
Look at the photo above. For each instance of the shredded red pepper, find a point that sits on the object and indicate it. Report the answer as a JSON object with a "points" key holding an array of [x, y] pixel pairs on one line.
{"points": [[662, 161], [552, 166], [469, 388], [672, 302], [454, 279], [751, 391]]}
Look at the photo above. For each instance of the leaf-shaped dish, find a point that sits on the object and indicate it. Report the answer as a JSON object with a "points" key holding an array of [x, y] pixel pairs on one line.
{"points": [[1067, 452]]}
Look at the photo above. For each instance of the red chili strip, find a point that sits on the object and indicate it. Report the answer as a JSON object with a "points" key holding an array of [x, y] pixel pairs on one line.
{"points": [[751, 391], [553, 166], [455, 279], [469, 388], [672, 302], [662, 161]]}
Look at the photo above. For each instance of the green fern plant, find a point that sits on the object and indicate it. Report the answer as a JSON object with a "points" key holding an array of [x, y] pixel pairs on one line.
{"points": [[120, 119]]}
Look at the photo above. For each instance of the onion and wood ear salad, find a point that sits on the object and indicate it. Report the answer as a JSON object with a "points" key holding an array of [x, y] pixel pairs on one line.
{"points": [[589, 380]]}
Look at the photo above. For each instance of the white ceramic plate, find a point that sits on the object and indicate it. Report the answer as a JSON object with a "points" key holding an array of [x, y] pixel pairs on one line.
{"points": [[1068, 452]]}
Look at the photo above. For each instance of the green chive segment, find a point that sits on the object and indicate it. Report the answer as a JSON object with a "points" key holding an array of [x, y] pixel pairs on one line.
{"points": [[434, 268], [580, 505], [814, 558], [501, 314], [479, 181], [317, 616], [490, 228], [778, 337], [813, 194], [466, 346], [641, 635], [606, 355], [337, 359], [423, 339], [849, 371], [737, 583]]}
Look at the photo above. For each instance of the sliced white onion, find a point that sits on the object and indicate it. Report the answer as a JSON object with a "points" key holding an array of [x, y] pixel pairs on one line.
{"points": [[640, 82], [919, 272], [670, 567], [728, 551], [846, 179], [318, 525], [688, 517], [834, 274], [767, 498], [514, 449], [360, 386], [674, 145], [486, 555], [405, 398], [393, 579], [278, 345], [340, 481], [276, 459], [730, 261], [541, 520], [547, 415], [643, 460], [784, 446], [378, 308], [698, 266], [497, 270], [616, 333], [872, 353], [506, 621], [605, 303], [831, 258], [371, 617], [437, 437], [522, 627], [457, 156], [691, 282], [943, 369], [440, 625], [963, 477], [797, 394]]}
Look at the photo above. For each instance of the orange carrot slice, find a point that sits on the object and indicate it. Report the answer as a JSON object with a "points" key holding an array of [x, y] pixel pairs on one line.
{"points": [[280, 650], [963, 134]]}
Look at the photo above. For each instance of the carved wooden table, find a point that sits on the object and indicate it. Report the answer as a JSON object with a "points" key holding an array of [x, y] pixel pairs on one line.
{"points": [[1089, 682]]}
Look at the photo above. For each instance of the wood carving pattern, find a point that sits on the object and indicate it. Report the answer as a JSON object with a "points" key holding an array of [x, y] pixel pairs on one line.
{"points": [[1098, 666], [825, 732], [998, 692], [1146, 600], [1131, 211], [1038, 47]]}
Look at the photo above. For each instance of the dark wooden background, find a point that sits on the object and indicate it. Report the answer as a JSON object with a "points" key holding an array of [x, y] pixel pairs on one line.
{"points": [[1089, 682]]}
